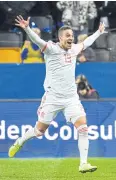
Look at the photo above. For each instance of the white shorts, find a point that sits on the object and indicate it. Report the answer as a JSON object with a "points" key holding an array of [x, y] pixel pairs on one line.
{"points": [[51, 105]]}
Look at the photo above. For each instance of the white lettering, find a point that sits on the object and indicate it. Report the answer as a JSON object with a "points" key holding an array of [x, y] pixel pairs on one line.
{"points": [[75, 134], [13, 132], [55, 135], [65, 132], [115, 128], [62, 132], [109, 132], [93, 133], [2, 130]]}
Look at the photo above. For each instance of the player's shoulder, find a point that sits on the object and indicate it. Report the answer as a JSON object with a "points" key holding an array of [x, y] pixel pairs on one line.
{"points": [[52, 43], [54, 46], [73, 47], [77, 48]]}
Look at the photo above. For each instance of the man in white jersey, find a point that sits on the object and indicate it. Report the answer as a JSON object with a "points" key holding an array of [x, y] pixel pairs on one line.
{"points": [[60, 88]]}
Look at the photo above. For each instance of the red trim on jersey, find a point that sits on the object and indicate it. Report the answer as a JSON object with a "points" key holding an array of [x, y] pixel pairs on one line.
{"points": [[44, 48]]}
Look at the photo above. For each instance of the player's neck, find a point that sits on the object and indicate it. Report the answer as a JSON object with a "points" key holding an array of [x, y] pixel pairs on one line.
{"points": [[61, 46]]}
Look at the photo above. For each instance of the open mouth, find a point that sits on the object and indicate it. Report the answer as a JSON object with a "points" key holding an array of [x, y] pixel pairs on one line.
{"points": [[69, 43]]}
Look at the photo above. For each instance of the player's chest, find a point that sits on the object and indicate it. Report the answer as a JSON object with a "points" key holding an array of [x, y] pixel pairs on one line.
{"points": [[66, 58]]}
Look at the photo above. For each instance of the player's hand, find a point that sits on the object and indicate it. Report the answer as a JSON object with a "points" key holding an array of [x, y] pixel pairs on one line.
{"points": [[21, 22], [102, 27]]}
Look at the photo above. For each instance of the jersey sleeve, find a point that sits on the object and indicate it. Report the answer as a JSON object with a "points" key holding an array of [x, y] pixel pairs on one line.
{"points": [[43, 45], [48, 48], [77, 48]]}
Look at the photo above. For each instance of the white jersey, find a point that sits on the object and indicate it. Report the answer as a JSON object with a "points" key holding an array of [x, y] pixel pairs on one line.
{"points": [[60, 64], [60, 79], [60, 69]]}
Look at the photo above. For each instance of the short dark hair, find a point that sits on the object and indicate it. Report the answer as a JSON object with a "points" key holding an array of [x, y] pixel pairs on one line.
{"points": [[63, 28]]}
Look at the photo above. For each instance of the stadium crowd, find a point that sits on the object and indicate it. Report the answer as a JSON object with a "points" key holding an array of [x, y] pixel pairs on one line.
{"points": [[82, 16], [46, 18]]}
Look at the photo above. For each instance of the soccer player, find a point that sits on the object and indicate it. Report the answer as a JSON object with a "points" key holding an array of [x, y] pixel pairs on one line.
{"points": [[60, 88]]}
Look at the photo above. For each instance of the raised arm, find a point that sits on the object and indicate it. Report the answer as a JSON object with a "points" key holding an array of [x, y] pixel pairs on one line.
{"points": [[24, 24], [90, 40]]}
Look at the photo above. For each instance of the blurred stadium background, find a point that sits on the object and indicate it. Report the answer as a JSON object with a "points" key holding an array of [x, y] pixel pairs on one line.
{"points": [[21, 89]]}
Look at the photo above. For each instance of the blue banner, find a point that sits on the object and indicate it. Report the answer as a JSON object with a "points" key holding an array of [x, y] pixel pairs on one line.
{"points": [[25, 81], [60, 140]]}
